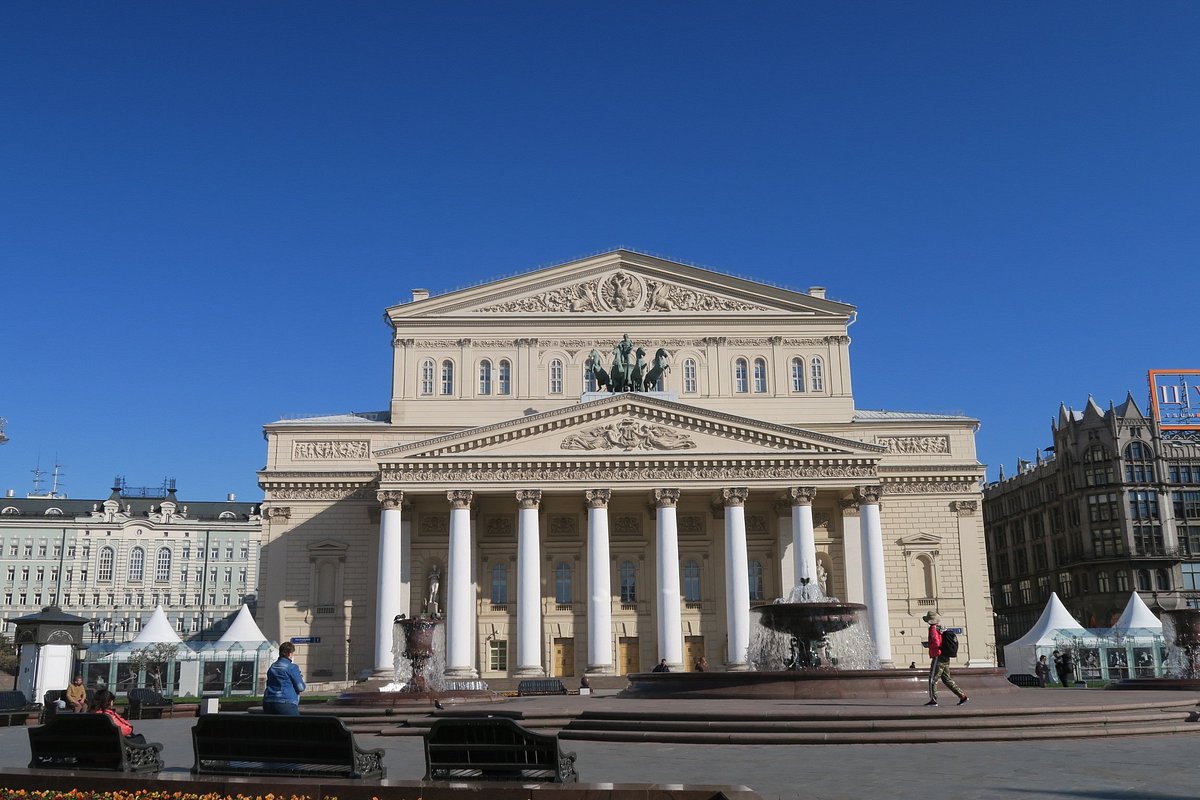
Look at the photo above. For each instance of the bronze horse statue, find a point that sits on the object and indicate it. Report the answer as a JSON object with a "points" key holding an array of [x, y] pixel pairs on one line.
{"points": [[662, 365], [598, 372], [637, 373]]}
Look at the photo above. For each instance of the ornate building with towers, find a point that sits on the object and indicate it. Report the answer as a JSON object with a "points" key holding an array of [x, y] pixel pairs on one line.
{"points": [[572, 504]]}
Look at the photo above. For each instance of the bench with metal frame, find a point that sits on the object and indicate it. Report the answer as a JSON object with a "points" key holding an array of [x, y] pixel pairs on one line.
{"points": [[494, 749], [15, 707], [536, 686], [148, 704], [265, 744], [90, 741]]}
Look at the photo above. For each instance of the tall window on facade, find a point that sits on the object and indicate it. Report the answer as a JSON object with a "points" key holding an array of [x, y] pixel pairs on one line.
{"points": [[504, 384], [498, 655], [1143, 580], [1191, 577], [818, 374], [137, 563], [691, 582], [628, 576], [797, 374], [1103, 584], [689, 376], [556, 376], [485, 377], [427, 376], [589, 380], [105, 570], [1162, 580], [741, 376], [1139, 464], [162, 565], [562, 584], [1143, 505], [760, 375], [500, 584], [756, 580], [447, 377]]}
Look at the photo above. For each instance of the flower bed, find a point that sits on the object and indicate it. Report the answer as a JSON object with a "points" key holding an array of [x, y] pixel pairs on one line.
{"points": [[141, 794]]}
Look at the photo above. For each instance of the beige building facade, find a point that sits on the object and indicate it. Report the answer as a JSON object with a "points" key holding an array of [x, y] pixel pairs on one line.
{"points": [[562, 529]]}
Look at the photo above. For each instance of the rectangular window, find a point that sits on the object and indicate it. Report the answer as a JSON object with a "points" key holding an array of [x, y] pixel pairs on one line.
{"points": [[71, 551], [1143, 505], [1191, 577], [498, 655], [41, 551], [58, 551], [12, 573], [229, 553], [689, 377]]}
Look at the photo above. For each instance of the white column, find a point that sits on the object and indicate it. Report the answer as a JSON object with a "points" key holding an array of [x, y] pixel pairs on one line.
{"points": [[670, 624], [804, 540], [529, 585], [600, 652], [388, 586], [737, 578], [874, 574], [460, 662]]}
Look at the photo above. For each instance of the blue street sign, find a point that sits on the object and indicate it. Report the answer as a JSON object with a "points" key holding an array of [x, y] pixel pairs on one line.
{"points": [[306, 640]]}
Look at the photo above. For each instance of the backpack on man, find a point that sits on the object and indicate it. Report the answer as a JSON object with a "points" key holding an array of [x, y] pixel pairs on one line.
{"points": [[949, 645]]}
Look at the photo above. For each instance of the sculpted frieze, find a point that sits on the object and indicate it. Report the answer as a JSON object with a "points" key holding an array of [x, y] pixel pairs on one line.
{"points": [[314, 450], [569, 473], [629, 435], [915, 445], [618, 292], [931, 487], [320, 493]]}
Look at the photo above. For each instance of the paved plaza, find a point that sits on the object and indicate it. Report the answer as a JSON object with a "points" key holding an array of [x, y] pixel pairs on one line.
{"points": [[1150, 767]]}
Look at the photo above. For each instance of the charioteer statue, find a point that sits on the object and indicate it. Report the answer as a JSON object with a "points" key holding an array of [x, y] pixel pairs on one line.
{"points": [[629, 370]]}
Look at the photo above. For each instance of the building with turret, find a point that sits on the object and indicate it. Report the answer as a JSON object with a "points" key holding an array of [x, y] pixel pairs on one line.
{"points": [[1112, 506]]}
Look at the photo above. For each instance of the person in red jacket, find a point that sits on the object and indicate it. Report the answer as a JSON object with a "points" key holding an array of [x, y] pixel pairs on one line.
{"points": [[939, 668], [102, 703]]}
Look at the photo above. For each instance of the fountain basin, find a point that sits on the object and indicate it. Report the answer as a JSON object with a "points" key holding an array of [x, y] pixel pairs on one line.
{"points": [[808, 684]]}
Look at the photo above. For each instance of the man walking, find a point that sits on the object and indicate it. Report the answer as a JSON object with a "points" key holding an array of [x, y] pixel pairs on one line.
{"points": [[939, 667]]}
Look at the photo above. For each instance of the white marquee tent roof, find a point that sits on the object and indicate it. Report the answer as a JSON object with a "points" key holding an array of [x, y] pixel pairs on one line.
{"points": [[1019, 656], [157, 629], [243, 628], [1137, 616]]}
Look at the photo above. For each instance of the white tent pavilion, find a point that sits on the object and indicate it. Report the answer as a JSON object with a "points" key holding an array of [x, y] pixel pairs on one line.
{"points": [[156, 630], [1137, 617], [1055, 624], [243, 628]]}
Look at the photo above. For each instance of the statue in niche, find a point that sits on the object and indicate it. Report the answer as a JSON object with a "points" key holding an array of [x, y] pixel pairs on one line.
{"points": [[822, 579], [435, 583]]}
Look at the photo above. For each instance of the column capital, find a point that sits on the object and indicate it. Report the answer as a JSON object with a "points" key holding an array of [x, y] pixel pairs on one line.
{"points": [[666, 498], [735, 496], [460, 498], [279, 515], [529, 498], [965, 508], [868, 495], [389, 500], [802, 495], [850, 508], [597, 498]]}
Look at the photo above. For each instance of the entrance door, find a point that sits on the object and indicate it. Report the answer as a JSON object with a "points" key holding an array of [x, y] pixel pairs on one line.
{"points": [[564, 658], [693, 649], [629, 655]]}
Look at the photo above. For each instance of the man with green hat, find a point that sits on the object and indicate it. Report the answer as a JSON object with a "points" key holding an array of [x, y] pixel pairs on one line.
{"points": [[939, 668]]}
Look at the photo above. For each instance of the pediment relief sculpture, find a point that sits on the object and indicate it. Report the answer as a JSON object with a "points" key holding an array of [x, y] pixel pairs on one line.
{"points": [[618, 292], [627, 435]]}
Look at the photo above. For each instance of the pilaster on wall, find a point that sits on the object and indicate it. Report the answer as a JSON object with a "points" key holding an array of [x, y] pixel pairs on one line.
{"points": [[981, 635], [853, 555]]}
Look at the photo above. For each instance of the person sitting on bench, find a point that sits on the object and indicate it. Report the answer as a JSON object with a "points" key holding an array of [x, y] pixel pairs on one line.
{"points": [[77, 696], [102, 703]]}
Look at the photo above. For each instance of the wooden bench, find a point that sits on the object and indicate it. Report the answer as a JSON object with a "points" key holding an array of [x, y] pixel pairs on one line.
{"points": [[15, 708], [494, 748], [148, 704], [90, 741], [264, 744], [540, 686]]}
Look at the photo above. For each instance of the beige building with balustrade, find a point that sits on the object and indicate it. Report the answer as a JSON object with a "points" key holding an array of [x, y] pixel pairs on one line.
{"points": [[562, 530]]}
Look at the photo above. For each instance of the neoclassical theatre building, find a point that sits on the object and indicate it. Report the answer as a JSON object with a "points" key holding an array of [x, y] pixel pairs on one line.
{"points": [[561, 528]]}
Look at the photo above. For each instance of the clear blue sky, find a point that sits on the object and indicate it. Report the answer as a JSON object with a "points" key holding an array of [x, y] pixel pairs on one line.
{"points": [[206, 207]]}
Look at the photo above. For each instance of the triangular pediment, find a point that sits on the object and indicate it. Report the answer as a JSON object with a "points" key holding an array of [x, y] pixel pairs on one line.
{"points": [[619, 283], [630, 425]]}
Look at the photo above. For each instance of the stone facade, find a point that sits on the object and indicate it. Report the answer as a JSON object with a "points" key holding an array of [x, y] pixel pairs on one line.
{"points": [[573, 530]]}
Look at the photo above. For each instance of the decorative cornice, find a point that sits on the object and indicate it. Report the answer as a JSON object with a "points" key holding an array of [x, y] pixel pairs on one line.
{"points": [[802, 495], [319, 492], [666, 498], [592, 472], [735, 496], [390, 500], [944, 486], [529, 498], [460, 498], [597, 498], [868, 495]]}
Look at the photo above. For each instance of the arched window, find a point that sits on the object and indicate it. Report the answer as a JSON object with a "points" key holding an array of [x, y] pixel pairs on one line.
{"points": [[818, 374], [1103, 584], [162, 565], [1122, 581], [628, 576], [797, 374], [485, 377], [137, 563], [741, 376], [427, 376], [105, 572], [1162, 580], [691, 582], [504, 385], [562, 584], [447, 377], [589, 379], [756, 580], [500, 584], [1139, 464], [689, 376], [760, 375], [556, 376], [1143, 580]]}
